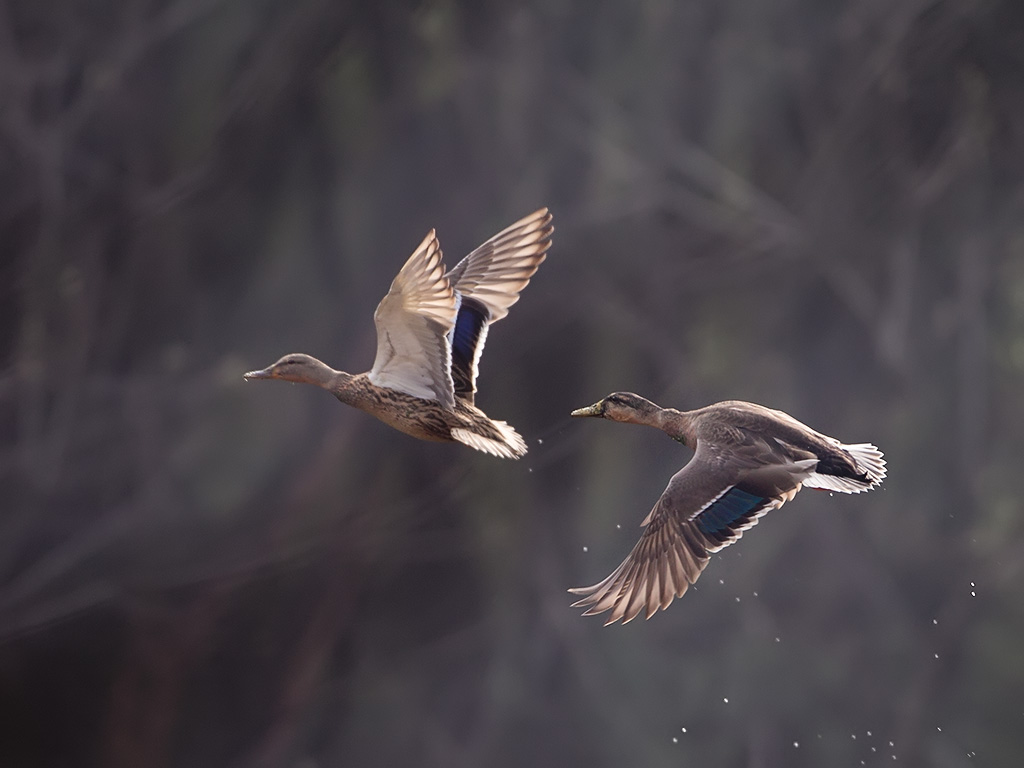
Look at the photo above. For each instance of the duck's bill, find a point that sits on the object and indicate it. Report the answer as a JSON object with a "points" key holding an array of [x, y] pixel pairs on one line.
{"points": [[590, 410], [264, 374]]}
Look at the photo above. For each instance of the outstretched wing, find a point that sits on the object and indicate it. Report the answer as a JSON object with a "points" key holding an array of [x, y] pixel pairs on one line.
{"points": [[487, 282], [414, 322], [707, 506]]}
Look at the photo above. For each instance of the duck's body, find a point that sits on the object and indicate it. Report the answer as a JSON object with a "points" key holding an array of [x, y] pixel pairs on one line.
{"points": [[747, 460], [431, 329], [427, 419]]}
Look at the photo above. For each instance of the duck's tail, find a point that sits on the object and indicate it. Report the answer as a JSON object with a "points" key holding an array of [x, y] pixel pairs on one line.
{"points": [[869, 462], [501, 440]]}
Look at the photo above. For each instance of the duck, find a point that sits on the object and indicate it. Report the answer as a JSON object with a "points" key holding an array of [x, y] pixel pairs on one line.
{"points": [[748, 460], [431, 329]]}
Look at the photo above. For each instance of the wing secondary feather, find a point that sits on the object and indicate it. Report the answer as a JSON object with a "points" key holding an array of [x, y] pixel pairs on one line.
{"points": [[706, 506], [488, 282]]}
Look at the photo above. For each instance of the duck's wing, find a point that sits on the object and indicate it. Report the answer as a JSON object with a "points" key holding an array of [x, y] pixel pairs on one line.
{"points": [[487, 282], [413, 324], [707, 505]]}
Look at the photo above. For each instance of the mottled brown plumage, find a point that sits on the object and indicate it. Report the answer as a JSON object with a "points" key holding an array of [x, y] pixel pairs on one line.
{"points": [[747, 460], [431, 330]]}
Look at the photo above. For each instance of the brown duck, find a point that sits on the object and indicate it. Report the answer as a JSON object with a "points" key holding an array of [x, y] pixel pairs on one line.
{"points": [[431, 329], [747, 460]]}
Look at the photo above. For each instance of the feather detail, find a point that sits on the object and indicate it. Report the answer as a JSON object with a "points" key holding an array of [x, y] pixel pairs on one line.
{"points": [[507, 443]]}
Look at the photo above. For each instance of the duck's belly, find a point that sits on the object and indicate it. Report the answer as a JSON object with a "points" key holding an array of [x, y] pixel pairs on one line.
{"points": [[438, 432], [422, 419]]}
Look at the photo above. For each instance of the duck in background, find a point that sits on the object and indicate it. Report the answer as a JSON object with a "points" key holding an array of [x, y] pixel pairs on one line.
{"points": [[747, 460]]}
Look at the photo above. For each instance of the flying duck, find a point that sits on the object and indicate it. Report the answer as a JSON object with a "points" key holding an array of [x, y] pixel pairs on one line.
{"points": [[431, 329], [747, 460]]}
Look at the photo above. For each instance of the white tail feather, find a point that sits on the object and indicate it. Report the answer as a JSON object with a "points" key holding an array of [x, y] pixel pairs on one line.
{"points": [[512, 446], [869, 461]]}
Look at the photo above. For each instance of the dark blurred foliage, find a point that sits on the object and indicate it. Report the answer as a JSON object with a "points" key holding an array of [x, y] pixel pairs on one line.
{"points": [[814, 205]]}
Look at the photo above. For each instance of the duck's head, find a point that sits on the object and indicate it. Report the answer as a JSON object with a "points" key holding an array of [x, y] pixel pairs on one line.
{"points": [[621, 406], [295, 367]]}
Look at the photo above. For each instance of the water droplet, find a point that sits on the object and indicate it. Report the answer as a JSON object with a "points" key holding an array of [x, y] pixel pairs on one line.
{"points": [[683, 730], [755, 594], [721, 581], [869, 733], [796, 745], [853, 735], [936, 655], [675, 740], [891, 744], [873, 749], [619, 526], [777, 640], [726, 699], [935, 621], [530, 469], [540, 441], [737, 599], [585, 549], [938, 729]]}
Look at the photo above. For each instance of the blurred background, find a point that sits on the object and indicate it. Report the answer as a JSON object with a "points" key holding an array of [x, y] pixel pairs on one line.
{"points": [[815, 206]]}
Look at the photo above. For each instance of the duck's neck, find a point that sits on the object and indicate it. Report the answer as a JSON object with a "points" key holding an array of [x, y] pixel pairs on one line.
{"points": [[349, 388], [317, 373], [676, 424], [322, 375]]}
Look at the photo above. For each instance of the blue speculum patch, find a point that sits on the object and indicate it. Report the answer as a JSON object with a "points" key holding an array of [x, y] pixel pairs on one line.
{"points": [[469, 323], [733, 505], [467, 331]]}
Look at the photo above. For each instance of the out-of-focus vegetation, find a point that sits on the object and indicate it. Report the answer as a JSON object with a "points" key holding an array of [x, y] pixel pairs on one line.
{"points": [[816, 206]]}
